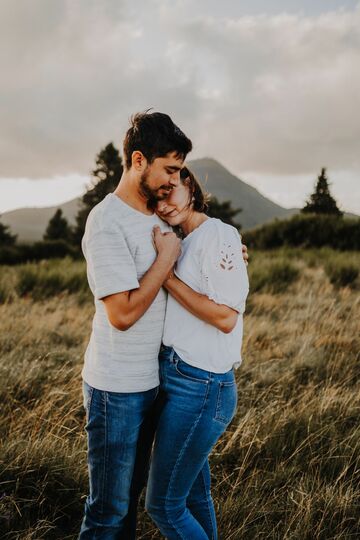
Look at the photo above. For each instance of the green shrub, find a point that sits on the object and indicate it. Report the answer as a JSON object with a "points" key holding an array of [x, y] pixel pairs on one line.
{"points": [[11, 255], [274, 277], [49, 278], [342, 274], [306, 231], [49, 249]]}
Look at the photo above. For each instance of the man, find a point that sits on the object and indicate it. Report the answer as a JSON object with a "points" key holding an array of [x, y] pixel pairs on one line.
{"points": [[121, 361], [126, 275]]}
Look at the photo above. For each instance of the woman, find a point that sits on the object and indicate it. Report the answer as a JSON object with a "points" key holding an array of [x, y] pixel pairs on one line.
{"points": [[201, 346]]}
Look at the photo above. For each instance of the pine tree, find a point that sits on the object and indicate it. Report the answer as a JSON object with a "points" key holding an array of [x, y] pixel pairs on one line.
{"points": [[223, 211], [58, 227], [321, 201], [6, 238], [105, 178]]}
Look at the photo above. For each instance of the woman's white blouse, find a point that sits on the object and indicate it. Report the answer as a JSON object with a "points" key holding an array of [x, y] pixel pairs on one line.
{"points": [[211, 263]]}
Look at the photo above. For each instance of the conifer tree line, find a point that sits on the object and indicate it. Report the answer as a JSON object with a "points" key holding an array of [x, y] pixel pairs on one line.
{"points": [[61, 238]]}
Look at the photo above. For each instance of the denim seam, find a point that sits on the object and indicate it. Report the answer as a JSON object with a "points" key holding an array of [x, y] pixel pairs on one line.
{"points": [[228, 383], [178, 370], [105, 454], [193, 379], [178, 459], [218, 416], [208, 503]]}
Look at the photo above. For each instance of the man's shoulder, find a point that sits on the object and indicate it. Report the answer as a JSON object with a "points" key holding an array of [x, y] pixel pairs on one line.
{"points": [[101, 220], [107, 215]]}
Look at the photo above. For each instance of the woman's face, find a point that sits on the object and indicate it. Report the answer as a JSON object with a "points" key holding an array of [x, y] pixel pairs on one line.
{"points": [[176, 208]]}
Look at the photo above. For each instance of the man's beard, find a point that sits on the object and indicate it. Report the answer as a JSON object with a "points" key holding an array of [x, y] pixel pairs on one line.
{"points": [[151, 195]]}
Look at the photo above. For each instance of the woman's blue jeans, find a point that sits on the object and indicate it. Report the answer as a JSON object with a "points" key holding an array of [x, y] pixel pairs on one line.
{"points": [[198, 407], [120, 429]]}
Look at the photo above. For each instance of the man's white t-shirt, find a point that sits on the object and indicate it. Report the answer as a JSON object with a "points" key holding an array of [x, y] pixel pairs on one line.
{"points": [[118, 249], [211, 263]]}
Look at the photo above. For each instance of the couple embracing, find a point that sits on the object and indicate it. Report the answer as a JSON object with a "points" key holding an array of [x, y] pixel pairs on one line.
{"points": [[158, 378]]}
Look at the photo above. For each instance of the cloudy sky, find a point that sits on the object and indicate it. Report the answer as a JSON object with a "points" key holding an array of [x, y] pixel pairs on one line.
{"points": [[270, 88]]}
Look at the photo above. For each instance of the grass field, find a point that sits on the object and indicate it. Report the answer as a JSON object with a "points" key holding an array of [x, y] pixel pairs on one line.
{"points": [[288, 466]]}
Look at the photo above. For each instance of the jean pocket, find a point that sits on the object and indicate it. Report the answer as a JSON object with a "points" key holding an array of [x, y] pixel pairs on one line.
{"points": [[226, 402], [191, 373]]}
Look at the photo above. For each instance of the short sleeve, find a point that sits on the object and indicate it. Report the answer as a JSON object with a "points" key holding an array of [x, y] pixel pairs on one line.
{"points": [[110, 265], [223, 270]]}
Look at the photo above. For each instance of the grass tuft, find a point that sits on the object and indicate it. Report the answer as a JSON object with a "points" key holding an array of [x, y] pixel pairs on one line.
{"points": [[342, 274]]}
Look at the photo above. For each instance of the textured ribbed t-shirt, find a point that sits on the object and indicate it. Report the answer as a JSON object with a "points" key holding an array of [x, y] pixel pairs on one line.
{"points": [[118, 249]]}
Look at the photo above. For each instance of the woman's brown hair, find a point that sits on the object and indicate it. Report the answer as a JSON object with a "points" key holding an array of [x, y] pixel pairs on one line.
{"points": [[198, 196]]}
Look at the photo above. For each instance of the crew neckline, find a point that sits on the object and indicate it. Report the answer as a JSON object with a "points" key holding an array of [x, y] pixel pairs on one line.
{"points": [[198, 227], [131, 208]]}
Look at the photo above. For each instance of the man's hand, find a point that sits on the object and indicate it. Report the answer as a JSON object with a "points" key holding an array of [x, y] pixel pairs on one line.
{"points": [[168, 245]]}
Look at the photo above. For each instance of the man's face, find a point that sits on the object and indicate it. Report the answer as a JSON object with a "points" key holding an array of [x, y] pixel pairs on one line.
{"points": [[160, 177]]}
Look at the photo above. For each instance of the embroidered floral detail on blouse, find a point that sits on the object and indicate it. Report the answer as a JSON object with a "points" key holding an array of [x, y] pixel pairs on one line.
{"points": [[205, 276], [227, 258]]}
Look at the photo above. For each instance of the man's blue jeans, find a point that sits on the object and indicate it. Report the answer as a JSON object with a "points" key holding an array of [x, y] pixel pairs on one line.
{"points": [[120, 429], [198, 407]]}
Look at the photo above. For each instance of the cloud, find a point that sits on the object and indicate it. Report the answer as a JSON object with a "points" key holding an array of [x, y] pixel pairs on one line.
{"points": [[289, 90], [272, 94], [22, 192]]}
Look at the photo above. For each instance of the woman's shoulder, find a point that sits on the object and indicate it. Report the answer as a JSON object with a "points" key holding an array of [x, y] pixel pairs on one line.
{"points": [[217, 228]]}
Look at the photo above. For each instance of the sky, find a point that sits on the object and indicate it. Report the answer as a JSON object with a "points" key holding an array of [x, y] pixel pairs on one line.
{"points": [[270, 88]]}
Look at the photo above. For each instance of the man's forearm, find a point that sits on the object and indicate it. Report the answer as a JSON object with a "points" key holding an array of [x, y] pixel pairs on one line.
{"points": [[140, 299], [124, 309]]}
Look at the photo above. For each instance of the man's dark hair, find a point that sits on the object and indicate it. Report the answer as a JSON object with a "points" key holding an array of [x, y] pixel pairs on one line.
{"points": [[155, 135]]}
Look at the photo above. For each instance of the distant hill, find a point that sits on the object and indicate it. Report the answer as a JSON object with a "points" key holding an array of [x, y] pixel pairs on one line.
{"points": [[256, 208], [30, 223]]}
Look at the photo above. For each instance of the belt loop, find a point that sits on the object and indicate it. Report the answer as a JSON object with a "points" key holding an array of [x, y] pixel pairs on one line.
{"points": [[171, 357]]}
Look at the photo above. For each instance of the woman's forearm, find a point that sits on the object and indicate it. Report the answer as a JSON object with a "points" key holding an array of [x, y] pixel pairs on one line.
{"points": [[222, 317]]}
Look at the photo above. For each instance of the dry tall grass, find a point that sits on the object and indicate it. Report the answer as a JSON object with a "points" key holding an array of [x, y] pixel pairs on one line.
{"points": [[288, 466]]}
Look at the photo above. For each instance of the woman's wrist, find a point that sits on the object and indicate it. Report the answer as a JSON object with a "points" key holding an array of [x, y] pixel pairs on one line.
{"points": [[170, 277]]}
